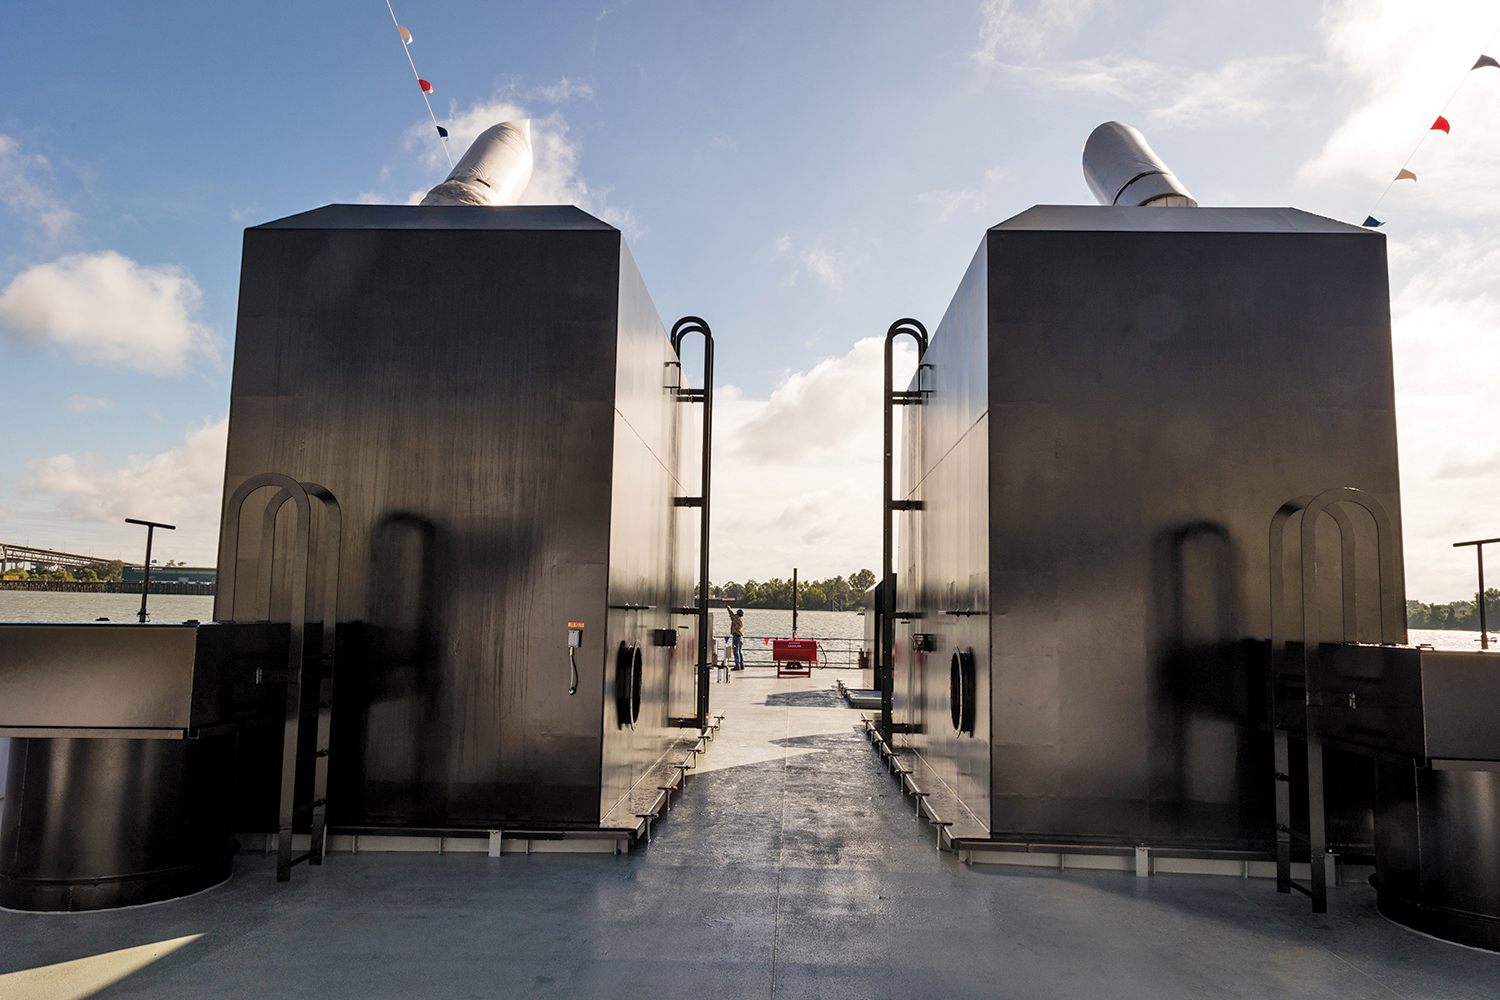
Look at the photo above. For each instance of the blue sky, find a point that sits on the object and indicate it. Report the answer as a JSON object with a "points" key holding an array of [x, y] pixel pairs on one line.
{"points": [[800, 174]]}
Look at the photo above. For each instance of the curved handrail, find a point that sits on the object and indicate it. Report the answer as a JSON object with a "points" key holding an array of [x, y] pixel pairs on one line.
{"points": [[1278, 555], [680, 329], [1329, 502], [301, 495], [884, 676], [264, 576], [1385, 546], [233, 508]]}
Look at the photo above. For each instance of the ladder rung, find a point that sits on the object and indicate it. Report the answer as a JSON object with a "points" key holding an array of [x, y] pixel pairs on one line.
{"points": [[308, 806]]}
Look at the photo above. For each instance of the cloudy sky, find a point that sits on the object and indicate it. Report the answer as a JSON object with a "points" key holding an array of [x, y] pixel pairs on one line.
{"points": [[798, 173]]}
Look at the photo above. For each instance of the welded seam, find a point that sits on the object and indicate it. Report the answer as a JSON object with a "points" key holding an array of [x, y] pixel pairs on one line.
{"points": [[944, 456]]}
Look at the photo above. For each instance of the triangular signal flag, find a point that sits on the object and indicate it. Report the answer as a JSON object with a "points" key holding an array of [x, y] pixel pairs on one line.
{"points": [[427, 88], [442, 131], [1405, 175], [1372, 223], [405, 35], [1486, 61], [1441, 125]]}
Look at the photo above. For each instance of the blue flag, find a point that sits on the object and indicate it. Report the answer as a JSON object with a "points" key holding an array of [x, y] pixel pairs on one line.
{"points": [[442, 131], [1371, 222]]}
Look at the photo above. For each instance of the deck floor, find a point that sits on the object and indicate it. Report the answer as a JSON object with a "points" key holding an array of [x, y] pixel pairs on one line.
{"points": [[790, 867]]}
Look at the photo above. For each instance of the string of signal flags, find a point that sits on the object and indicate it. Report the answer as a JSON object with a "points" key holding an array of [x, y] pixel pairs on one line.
{"points": [[1440, 125], [425, 86]]}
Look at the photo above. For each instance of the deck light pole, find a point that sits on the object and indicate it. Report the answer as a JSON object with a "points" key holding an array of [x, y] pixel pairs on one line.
{"points": [[151, 527], [1479, 544], [794, 602], [885, 636]]}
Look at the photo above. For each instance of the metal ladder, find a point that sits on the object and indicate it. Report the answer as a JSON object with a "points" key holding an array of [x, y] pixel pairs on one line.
{"points": [[1282, 682], [299, 672]]}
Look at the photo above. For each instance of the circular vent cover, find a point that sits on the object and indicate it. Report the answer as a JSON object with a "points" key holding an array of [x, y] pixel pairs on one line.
{"points": [[628, 685], [961, 691]]}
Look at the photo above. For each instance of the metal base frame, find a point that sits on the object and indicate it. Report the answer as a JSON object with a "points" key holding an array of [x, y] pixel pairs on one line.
{"points": [[1474, 930], [45, 895]]}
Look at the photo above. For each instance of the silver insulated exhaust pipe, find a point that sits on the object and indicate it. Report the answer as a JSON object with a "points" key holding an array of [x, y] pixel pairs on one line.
{"points": [[1122, 169], [494, 171]]}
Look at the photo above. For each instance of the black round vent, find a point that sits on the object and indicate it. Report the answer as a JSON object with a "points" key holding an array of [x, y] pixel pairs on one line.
{"points": [[628, 685], [961, 691]]}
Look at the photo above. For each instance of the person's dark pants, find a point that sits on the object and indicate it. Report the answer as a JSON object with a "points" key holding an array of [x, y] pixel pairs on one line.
{"points": [[739, 652]]}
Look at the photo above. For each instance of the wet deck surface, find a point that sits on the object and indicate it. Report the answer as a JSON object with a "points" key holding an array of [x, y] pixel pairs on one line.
{"points": [[791, 867]]}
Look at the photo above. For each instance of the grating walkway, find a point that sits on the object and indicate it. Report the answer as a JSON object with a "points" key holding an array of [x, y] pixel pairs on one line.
{"points": [[791, 866]]}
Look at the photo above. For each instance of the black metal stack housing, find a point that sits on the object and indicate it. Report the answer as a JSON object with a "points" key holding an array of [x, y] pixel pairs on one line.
{"points": [[492, 398], [1114, 406]]}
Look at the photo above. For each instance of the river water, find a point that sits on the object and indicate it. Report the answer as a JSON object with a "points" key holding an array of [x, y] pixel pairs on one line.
{"points": [[53, 606], [1449, 639], [43, 606]]}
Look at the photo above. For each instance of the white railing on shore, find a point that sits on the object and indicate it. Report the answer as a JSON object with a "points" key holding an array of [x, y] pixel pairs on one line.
{"points": [[836, 653]]}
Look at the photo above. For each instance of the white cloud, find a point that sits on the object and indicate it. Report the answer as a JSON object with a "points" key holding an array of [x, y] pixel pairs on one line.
{"points": [[562, 90], [554, 177], [106, 309], [1399, 63], [1404, 61], [181, 486], [1026, 27], [1446, 345], [23, 193], [976, 199], [1239, 91], [88, 404], [797, 476], [830, 267]]}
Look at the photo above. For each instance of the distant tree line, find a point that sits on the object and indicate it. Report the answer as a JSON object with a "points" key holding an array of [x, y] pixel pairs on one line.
{"points": [[1462, 615], [833, 594], [106, 571]]}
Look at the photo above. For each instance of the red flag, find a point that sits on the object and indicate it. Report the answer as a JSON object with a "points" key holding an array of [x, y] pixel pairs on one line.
{"points": [[1441, 125], [426, 87]]}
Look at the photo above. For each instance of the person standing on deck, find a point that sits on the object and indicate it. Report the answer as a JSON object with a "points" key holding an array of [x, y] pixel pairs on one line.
{"points": [[737, 635]]}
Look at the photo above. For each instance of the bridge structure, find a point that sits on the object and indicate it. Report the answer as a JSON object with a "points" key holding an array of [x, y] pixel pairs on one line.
{"points": [[25, 556]]}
